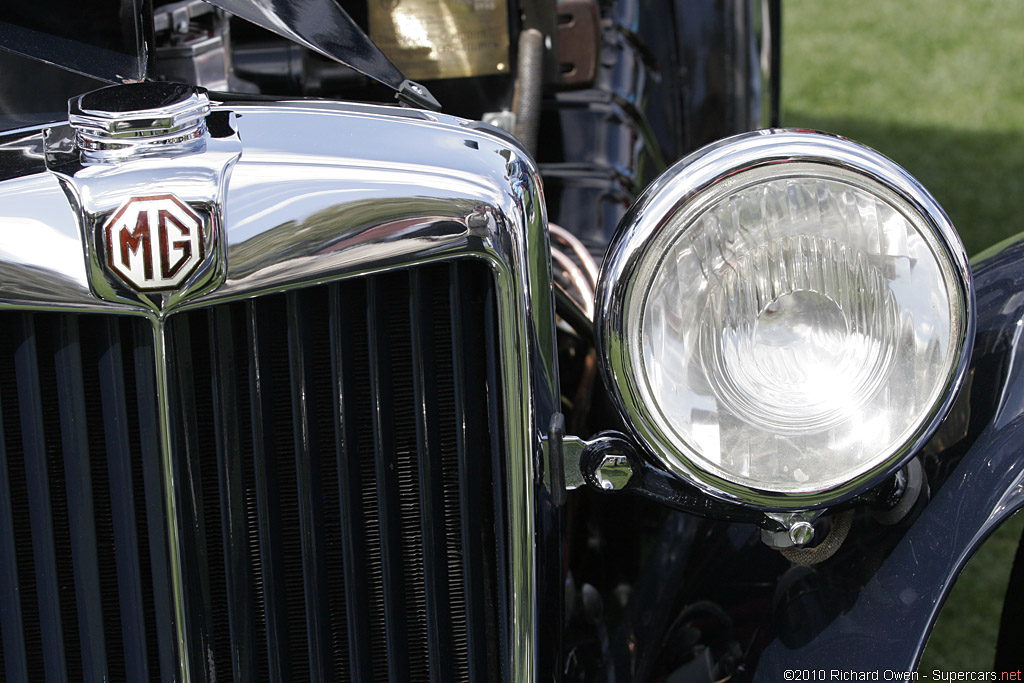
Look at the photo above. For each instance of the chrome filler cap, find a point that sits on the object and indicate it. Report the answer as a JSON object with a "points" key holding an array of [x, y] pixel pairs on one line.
{"points": [[120, 122]]}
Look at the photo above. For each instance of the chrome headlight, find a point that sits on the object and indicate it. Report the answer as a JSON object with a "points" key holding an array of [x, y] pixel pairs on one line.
{"points": [[784, 317]]}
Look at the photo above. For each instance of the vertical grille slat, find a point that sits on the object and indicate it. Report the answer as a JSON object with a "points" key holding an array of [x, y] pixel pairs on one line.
{"points": [[78, 477], [236, 493], [329, 432], [84, 553], [308, 478], [193, 440], [409, 456], [333, 452], [450, 443], [493, 387], [347, 337], [43, 508], [261, 390], [469, 434], [433, 363], [361, 420], [282, 488], [12, 635], [91, 342], [380, 309], [122, 494]]}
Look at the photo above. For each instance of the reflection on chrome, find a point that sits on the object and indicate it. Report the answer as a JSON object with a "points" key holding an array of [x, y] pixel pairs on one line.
{"points": [[305, 194]]}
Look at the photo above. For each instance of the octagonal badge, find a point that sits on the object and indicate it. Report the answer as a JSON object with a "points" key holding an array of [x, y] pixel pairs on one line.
{"points": [[154, 243]]}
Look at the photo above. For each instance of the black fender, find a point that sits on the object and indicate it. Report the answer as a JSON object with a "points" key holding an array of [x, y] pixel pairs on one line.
{"points": [[975, 468], [869, 607]]}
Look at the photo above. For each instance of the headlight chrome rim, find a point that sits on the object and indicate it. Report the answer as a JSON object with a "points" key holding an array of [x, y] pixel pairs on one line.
{"points": [[686, 184]]}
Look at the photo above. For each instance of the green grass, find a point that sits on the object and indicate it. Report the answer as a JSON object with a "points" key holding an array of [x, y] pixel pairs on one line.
{"points": [[965, 635], [938, 87]]}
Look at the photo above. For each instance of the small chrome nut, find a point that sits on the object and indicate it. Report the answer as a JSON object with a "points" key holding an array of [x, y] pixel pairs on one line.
{"points": [[801, 533], [613, 472], [608, 462], [789, 530]]}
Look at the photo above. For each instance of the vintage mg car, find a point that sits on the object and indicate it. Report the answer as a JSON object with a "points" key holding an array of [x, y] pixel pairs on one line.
{"points": [[589, 374]]}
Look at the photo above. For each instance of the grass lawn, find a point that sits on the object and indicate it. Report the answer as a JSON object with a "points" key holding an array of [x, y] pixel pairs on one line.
{"points": [[937, 86]]}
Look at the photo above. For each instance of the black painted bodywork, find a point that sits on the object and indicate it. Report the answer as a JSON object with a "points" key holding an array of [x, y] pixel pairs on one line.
{"points": [[881, 617], [871, 606]]}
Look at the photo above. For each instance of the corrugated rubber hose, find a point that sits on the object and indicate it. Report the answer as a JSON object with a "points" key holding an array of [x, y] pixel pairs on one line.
{"points": [[529, 83], [827, 548]]}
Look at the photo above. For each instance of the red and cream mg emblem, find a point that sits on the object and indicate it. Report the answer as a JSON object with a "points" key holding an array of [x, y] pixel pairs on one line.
{"points": [[154, 243]]}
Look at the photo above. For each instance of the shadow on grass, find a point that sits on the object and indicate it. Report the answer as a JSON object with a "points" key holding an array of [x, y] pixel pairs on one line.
{"points": [[977, 177]]}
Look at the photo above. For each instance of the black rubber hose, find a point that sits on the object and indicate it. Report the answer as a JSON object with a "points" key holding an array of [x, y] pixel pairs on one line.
{"points": [[529, 84]]}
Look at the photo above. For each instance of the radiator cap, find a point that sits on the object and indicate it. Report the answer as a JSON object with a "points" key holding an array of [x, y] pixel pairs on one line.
{"points": [[139, 119]]}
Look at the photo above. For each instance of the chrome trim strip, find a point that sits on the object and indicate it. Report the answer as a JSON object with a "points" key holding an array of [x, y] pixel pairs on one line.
{"points": [[683, 185], [171, 501], [315, 197]]}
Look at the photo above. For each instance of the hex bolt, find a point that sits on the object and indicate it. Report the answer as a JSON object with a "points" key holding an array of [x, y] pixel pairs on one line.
{"points": [[801, 533], [613, 472], [477, 220]]}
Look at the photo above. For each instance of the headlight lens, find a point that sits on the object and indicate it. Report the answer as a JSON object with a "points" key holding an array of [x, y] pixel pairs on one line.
{"points": [[784, 317]]}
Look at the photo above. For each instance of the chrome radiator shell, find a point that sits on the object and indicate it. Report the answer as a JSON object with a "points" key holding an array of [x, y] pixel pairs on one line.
{"points": [[321, 192]]}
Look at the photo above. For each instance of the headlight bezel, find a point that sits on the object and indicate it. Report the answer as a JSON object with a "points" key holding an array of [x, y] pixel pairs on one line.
{"points": [[690, 182]]}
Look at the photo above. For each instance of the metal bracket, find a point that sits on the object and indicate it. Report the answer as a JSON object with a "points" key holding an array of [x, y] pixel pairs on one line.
{"points": [[792, 529], [606, 462], [579, 41], [506, 120], [610, 462], [412, 94]]}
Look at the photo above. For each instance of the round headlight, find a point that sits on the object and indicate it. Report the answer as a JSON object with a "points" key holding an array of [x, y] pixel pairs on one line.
{"points": [[784, 317]]}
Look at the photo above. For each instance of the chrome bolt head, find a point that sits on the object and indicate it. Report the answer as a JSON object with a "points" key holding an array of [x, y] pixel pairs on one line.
{"points": [[613, 472], [801, 533]]}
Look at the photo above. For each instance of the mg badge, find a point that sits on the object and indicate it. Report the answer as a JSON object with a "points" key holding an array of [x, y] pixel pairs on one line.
{"points": [[154, 243]]}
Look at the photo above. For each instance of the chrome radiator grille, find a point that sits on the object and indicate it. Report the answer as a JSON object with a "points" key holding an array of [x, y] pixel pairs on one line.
{"points": [[83, 561], [336, 452]]}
